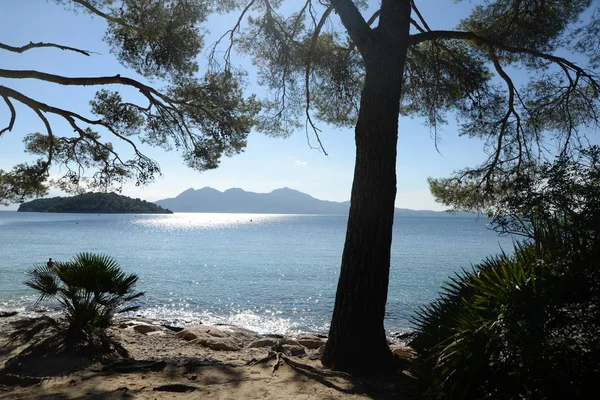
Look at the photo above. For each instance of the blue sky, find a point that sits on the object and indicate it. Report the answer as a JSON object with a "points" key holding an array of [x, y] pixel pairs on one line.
{"points": [[267, 163]]}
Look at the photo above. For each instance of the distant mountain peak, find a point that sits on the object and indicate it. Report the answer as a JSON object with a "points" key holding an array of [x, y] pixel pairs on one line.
{"points": [[279, 201], [186, 192], [285, 189]]}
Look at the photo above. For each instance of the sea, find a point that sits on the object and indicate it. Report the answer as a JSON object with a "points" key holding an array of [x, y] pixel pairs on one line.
{"points": [[267, 273]]}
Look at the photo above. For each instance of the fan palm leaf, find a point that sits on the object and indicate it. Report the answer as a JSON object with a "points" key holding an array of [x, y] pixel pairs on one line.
{"points": [[91, 289]]}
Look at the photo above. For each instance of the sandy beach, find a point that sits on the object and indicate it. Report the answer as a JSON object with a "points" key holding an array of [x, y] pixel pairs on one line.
{"points": [[212, 362]]}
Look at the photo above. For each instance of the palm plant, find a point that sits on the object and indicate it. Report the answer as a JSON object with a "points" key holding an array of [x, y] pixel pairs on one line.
{"points": [[520, 326], [91, 289], [526, 325], [469, 339]]}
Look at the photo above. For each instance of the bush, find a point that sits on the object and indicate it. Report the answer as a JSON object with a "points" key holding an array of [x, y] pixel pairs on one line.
{"points": [[90, 289], [521, 326]]}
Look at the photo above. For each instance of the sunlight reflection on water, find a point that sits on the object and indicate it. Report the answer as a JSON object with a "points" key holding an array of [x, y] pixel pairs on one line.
{"points": [[207, 220]]}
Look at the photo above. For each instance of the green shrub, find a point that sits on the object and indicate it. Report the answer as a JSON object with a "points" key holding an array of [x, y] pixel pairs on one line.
{"points": [[90, 289], [520, 326], [526, 325]]}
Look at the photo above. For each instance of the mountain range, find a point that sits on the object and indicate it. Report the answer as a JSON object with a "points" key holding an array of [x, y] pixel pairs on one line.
{"points": [[279, 201]]}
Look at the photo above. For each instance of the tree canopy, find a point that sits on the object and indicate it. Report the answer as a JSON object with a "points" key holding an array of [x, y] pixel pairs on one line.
{"points": [[205, 116]]}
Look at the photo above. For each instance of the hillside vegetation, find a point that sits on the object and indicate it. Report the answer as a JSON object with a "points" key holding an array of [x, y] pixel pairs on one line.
{"points": [[94, 203]]}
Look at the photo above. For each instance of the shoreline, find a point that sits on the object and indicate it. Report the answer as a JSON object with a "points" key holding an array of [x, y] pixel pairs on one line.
{"points": [[396, 337], [201, 361]]}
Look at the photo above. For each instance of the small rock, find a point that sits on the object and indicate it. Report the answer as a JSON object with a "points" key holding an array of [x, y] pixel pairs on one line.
{"points": [[402, 351], [207, 335], [271, 342], [311, 341], [187, 336], [159, 333], [405, 335], [5, 314], [265, 342], [175, 328], [193, 377], [145, 329], [292, 350]]}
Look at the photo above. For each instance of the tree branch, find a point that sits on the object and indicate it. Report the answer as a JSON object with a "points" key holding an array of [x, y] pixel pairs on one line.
{"points": [[355, 24], [71, 117], [13, 115], [300, 17], [416, 25], [83, 81], [313, 43], [32, 45], [565, 65], [94, 10], [50, 136], [374, 17], [480, 40], [419, 15], [511, 111], [230, 32]]}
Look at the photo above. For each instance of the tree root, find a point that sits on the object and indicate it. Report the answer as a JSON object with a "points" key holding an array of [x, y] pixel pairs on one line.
{"points": [[304, 368]]}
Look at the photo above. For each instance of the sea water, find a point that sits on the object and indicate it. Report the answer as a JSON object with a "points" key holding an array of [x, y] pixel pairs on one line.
{"points": [[267, 273]]}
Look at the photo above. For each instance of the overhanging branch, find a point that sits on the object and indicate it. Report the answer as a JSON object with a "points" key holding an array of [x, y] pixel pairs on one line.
{"points": [[419, 15], [13, 115], [313, 44], [231, 32], [96, 11], [483, 41], [71, 117], [38, 45], [82, 81]]}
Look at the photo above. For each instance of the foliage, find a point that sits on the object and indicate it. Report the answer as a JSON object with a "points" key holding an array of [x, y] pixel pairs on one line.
{"points": [[516, 326], [524, 325], [566, 190], [91, 289], [204, 117], [94, 203]]}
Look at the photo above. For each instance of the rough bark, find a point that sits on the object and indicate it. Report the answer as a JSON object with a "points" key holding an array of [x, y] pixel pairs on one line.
{"points": [[357, 341]]}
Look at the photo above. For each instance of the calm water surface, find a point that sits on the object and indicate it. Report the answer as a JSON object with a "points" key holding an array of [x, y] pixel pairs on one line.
{"points": [[269, 273]]}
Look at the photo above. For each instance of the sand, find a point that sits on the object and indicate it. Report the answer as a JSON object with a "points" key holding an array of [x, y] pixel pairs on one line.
{"points": [[169, 365]]}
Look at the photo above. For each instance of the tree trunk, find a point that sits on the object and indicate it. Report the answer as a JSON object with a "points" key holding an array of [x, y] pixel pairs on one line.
{"points": [[357, 341]]}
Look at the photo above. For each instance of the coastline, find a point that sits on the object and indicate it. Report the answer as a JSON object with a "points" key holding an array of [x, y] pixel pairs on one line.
{"points": [[200, 361], [245, 320]]}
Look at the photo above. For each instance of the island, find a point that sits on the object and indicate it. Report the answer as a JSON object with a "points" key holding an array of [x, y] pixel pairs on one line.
{"points": [[94, 203]]}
